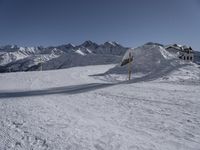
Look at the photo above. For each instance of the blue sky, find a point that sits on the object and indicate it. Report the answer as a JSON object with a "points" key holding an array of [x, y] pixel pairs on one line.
{"points": [[129, 22]]}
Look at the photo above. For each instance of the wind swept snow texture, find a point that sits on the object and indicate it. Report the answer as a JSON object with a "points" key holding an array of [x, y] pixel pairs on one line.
{"points": [[151, 61], [68, 109]]}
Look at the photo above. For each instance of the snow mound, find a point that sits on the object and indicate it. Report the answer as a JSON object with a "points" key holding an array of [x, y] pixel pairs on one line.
{"points": [[146, 59], [151, 61]]}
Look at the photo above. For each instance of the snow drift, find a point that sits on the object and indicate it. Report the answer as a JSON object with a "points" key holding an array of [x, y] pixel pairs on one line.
{"points": [[152, 61]]}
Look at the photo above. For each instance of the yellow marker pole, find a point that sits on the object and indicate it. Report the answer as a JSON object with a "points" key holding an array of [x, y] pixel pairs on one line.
{"points": [[129, 66], [41, 66]]}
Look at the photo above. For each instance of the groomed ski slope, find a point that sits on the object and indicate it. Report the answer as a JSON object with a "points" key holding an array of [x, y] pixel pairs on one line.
{"points": [[70, 109]]}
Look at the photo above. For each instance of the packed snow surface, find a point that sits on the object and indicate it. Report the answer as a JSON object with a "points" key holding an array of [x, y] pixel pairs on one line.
{"points": [[72, 109]]}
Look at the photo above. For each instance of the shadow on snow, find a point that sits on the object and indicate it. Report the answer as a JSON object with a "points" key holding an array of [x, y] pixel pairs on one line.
{"points": [[75, 89]]}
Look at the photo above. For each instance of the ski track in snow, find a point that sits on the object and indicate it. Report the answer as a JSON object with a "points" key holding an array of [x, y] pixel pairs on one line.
{"points": [[139, 116]]}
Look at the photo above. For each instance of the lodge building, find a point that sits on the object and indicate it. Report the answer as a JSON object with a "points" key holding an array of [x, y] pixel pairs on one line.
{"points": [[184, 52]]}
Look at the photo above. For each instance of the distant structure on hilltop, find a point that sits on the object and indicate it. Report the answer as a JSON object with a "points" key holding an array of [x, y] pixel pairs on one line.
{"points": [[184, 52]]}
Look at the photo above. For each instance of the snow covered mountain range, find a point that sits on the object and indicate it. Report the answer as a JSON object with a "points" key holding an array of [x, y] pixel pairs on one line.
{"points": [[14, 58]]}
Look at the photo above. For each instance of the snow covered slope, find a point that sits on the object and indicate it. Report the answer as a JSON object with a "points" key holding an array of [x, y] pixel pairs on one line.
{"points": [[152, 61], [70, 109]]}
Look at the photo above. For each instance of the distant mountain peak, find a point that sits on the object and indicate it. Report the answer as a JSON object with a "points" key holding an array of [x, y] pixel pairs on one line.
{"points": [[88, 43], [71, 45]]}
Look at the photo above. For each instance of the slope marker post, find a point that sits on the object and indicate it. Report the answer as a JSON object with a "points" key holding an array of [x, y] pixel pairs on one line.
{"points": [[129, 66]]}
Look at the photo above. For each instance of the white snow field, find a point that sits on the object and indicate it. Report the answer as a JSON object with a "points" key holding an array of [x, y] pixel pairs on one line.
{"points": [[69, 109], [95, 108]]}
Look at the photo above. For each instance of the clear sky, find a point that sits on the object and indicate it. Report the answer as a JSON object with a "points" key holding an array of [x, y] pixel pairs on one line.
{"points": [[129, 22]]}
